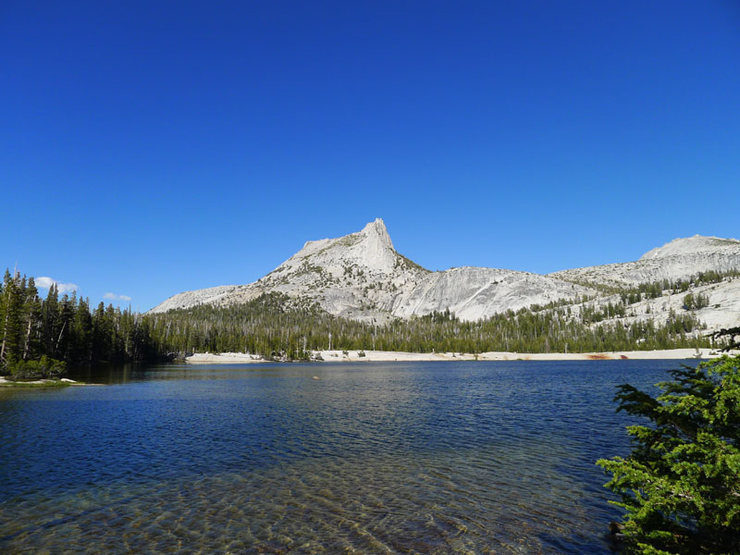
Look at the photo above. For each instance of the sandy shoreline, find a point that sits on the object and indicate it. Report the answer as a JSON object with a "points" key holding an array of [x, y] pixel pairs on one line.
{"points": [[396, 356]]}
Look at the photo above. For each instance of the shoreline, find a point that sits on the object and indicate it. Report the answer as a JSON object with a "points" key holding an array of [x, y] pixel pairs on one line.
{"points": [[399, 356], [44, 382]]}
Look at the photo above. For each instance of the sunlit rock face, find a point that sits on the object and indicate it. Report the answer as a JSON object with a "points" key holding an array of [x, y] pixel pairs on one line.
{"points": [[696, 245], [361, 276], [679, 259], [476, 293]]}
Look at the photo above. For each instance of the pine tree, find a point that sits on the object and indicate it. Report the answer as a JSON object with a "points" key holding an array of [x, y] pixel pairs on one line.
{"points": [[63, 346], [101, 335], [10, 348], [680, 486], [82, 332], [50, 321], [32, 314]]}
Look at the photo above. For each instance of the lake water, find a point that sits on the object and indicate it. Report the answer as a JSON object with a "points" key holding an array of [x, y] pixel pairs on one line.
{"points": [[371, 457]]}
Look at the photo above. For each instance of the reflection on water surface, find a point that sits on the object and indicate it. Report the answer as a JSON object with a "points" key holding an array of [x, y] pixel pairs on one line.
{"points": [[422, 457]]}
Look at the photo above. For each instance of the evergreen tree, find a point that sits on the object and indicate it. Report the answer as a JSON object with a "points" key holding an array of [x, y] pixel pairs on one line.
{"points": [[50, 318], [101, 335], [32, 314], [63, 345], [82, 332], [10, 348], [680, 487]]}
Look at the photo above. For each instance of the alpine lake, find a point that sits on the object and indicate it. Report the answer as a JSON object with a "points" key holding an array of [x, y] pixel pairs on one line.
{"points": [[442, 457]]}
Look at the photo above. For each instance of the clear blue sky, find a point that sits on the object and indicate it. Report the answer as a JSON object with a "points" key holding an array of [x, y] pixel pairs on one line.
{"points": [[148, 148]]}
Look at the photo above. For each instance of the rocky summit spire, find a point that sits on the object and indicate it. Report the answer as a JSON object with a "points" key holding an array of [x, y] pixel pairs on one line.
{"points": [[369, 251], [376, 230], [372, 248]]}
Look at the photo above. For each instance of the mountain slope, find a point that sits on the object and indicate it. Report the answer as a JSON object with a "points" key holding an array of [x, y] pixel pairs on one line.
{"points": [[679, 259], [696, 245], [475, 293], [361, 276]]}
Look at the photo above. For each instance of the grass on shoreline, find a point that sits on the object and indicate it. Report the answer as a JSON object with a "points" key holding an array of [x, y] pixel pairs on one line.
{"points": [[47, 382]]}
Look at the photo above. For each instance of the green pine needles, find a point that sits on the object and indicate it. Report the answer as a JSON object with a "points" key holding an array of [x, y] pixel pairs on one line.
{"points": [[680, 487]]}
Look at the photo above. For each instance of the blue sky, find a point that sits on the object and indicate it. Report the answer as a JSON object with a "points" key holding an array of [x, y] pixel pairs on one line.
{"points": [[148, 148]]}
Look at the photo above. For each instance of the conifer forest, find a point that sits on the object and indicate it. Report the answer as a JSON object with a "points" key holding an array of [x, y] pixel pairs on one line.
{"points": [[67, 329]]}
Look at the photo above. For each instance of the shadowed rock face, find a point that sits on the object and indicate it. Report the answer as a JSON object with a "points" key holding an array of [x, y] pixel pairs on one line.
{"points": [[361, 276]]}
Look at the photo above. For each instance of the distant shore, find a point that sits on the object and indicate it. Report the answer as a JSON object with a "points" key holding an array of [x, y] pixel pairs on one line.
{"points": [[397, 356]]}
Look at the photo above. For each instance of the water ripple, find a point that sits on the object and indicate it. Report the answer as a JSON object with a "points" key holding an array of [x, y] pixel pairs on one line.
{"points": [[416, 458]]}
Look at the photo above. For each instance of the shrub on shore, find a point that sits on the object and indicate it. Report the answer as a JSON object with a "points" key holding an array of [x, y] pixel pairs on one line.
{"points": [[46, 367]]}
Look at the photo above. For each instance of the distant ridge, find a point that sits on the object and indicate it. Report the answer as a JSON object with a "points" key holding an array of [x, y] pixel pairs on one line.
{"points": [[698, 244], [677, 259], [361, 276]]}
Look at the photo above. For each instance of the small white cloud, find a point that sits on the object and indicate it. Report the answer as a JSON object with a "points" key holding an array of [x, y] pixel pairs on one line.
{"points": [[115, 297], [46, 282]]}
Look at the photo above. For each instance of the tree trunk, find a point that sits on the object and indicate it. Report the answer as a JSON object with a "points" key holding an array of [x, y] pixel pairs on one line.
{"points": [[59, 339], [28, 338], [5, 335]]}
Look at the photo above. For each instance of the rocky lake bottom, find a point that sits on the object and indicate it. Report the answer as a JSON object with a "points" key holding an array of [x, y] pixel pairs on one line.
{"points": [[376, 457]]}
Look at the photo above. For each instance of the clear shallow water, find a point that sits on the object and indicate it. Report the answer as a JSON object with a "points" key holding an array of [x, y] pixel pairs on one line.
{"points": [[372, 457]]}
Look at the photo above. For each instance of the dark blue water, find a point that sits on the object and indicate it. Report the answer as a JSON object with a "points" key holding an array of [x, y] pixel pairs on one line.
{"points": [[418, 457]]}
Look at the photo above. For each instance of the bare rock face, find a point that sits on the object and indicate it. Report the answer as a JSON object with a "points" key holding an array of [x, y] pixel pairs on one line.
{"points": [[679, 259], [477, 293], [697, 245], [357, 276], [188, 299], [361, 276], [370, 249]]}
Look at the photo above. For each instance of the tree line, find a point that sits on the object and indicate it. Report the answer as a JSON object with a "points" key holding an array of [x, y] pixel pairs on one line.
{"points": [[38, 336], [273, 325], [35, 333], [655, 289]]}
